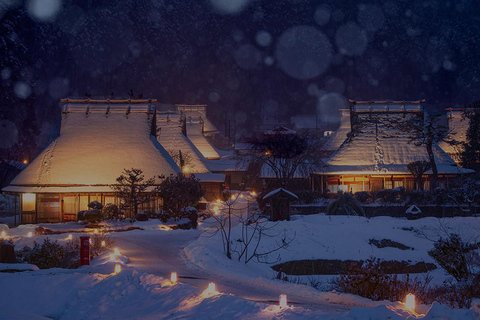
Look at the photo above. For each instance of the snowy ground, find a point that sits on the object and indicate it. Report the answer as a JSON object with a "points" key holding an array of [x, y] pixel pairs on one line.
{"points": [[142, 291]]}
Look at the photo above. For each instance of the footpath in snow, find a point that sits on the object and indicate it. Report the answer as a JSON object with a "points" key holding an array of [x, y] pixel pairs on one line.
{"points": [[142, 289]]}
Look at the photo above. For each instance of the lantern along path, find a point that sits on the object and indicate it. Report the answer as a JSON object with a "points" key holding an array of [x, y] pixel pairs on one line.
{"points": [[161, 252]]}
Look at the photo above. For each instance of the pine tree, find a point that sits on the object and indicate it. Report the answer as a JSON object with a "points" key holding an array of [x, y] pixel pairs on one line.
{"points": [[180, 191], [132, 189], [470, 156]]}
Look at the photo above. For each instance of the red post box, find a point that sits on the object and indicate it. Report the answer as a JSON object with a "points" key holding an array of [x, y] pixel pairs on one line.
{"points": [[85, 251]]}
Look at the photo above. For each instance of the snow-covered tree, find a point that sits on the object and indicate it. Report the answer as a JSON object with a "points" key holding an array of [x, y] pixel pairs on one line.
{"points": [[132, 189], [427, 133], [470, 156], [287, 155], [180, 191]]}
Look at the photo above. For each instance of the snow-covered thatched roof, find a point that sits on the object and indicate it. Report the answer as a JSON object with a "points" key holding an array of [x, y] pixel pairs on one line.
{"points": [[98, 140], [458, 123], [170, 135], [378, 147], [194, 133], [337, 138], [197, 126], [197, 113]]}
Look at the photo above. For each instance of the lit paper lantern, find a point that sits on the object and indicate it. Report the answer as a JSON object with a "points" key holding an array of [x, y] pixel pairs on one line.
{"points": [[211, 287], [283, 301], [118, 268], [173, 277], [410, 302]]}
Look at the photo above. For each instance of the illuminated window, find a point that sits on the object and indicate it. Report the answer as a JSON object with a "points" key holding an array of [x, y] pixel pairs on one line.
{"points": [[388, 184], [397, 184], [109, 199], [28, 202], [69, 205], [83, 203]]}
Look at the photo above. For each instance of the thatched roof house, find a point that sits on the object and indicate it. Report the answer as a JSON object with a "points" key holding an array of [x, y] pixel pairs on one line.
{"points": [[98, 140]]}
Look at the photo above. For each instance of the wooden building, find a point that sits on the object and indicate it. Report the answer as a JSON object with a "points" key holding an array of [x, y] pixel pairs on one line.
{"points": [[374, 154], [279, 200], [98, 140]]}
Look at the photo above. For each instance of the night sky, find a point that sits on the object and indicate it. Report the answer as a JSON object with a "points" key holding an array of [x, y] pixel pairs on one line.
{"points": [[243, 58]]}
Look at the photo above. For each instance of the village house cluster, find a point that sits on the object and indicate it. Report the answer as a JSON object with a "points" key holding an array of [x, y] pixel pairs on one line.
{"points": [[100, 138]]}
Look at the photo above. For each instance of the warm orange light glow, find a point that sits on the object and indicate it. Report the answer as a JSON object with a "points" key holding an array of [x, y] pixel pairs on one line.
{"points": [[103, 243], [70, 237], [283, 301], [25, 161], [210, 291], [215, 210], [232, 197], [28, 202], [4, 234], [116, 251], [95, 231], [30, 234], [173, 277], [410, 302], [186, 169], [253, 193], [118, 268], [218, 200]]}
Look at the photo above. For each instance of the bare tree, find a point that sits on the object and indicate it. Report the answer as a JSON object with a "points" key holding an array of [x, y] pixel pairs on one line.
{"points": [[286, 155], [417, 169], [428, 133], [182, 159], [254, 228]]}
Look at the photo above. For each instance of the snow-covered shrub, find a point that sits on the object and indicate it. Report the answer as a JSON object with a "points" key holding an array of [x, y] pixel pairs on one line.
{"points": [[178, 192], [96, 247], [111, 211], [47, 255], [7, 251], [370, 281], [457, 257], [387, 195], [93, 215], [307, 196], [345, 204], [192, 214], [163, 216], [363, 196], [141, 216], [95, 205], [455, 295]]}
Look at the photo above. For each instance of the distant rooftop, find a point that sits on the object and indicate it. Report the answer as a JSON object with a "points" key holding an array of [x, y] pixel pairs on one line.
{"points": [[388, 106]]}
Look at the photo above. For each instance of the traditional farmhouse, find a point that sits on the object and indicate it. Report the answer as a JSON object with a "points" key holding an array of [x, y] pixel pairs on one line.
{"points": [[98, 140], [458, 124], [172, 129], [197, 127], [375, 153]]}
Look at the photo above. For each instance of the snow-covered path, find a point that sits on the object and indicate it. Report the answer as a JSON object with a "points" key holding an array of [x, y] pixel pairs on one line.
{"points": [[160, 253]]}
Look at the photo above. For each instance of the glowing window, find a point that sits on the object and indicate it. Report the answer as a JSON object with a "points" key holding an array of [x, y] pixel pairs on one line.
{"points": [[28, 202]]}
